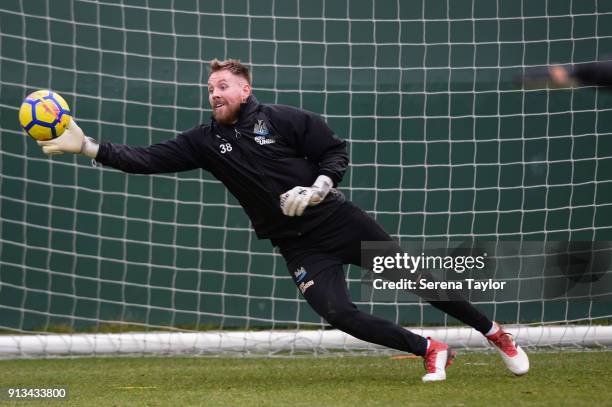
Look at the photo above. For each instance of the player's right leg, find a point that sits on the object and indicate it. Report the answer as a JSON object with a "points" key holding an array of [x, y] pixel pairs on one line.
{"points": [[438, 357], [322, 283], [315, 261]]}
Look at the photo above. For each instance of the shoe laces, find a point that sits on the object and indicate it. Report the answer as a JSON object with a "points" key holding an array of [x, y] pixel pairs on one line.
{"points": [[430, 362], [503, 340], [430, 358]]}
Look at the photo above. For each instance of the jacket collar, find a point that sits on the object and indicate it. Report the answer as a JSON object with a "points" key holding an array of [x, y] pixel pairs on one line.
{"points": [[247, 110]]}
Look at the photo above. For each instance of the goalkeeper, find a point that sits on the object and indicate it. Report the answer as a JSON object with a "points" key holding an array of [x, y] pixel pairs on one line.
{"points": [[282, 164]]}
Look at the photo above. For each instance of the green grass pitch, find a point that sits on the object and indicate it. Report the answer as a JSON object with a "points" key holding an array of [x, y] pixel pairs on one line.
{"points": [[561, 378]]}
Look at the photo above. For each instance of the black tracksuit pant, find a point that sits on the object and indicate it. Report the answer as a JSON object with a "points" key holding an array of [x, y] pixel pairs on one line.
{"points": [[315, 261]]}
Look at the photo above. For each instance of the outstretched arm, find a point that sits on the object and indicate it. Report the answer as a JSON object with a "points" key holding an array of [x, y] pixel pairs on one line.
{"points": [[170, 156]]}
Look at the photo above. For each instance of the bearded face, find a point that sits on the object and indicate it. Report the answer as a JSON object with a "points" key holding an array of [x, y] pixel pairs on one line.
{"points": [[226, 92]]}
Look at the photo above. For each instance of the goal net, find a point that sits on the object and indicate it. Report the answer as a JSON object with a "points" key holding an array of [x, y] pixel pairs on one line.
{"points": [[443, 144]]}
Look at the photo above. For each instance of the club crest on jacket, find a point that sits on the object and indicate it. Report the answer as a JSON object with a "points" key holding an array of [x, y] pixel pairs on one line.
{"points": [[260, 128]]}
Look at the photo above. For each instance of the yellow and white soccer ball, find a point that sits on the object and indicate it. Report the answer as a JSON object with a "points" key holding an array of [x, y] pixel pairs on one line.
{"points": [[44, 115]]}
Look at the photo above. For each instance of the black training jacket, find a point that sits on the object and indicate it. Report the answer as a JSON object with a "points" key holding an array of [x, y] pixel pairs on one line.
{"points": [[271, 149]]}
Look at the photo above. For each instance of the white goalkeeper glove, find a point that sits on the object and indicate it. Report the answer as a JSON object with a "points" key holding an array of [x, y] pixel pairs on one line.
{"points": [[73, 140], [294, 201]]}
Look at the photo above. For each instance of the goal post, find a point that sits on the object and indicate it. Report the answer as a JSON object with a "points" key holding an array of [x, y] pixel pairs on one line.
{"points": [[283, 342], [443, 145]]}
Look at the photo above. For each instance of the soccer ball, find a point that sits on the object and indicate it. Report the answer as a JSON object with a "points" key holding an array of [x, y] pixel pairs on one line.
{"points": [[44, 115]]}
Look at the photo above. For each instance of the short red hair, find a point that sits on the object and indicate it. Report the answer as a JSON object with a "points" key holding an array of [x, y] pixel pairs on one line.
{"points": [[232, 65]]}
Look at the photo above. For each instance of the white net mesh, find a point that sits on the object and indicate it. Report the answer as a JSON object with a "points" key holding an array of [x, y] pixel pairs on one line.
{"points": [[443, 145]]}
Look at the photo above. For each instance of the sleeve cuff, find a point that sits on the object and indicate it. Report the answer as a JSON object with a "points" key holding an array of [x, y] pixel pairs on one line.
{"points": [[333, 177]]}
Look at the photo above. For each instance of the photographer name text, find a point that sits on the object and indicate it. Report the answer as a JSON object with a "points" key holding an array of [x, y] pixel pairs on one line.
{"points": [[424, 284]]}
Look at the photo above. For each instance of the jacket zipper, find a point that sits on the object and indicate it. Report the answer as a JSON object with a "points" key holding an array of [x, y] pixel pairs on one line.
{"points": [[256, 165]]}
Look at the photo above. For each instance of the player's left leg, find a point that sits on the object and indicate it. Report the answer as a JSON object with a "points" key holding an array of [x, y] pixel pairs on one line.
{"points": [[318, 272], [320, 278]]}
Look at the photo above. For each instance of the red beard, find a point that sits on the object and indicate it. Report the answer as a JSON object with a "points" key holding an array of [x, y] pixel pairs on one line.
{"points": [[227, 115]]}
